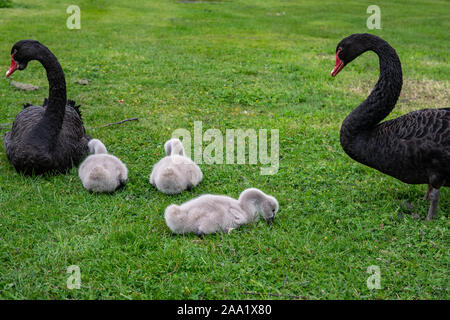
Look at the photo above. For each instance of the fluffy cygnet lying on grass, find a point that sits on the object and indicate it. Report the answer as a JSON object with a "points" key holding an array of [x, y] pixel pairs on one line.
{"points": [[175, 172], [102, 172], [212, 213]]}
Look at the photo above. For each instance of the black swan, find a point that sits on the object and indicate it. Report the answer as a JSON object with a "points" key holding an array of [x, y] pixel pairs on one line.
{"points": [[414, 148], [48, 138]]}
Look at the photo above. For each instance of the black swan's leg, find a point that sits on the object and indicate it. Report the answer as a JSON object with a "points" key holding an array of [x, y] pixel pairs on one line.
{"points": [[427, 195], [434, 199]]}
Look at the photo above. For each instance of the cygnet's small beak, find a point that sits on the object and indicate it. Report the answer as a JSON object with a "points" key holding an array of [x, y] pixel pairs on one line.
{"points": [[270, 221]]}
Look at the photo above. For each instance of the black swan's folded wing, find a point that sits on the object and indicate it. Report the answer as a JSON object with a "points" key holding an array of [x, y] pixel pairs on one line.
{"points": [[423, 125]]}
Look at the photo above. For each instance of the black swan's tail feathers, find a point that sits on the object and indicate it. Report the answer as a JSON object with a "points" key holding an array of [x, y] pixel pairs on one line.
{"points": [[71, 103], [44, 104]]}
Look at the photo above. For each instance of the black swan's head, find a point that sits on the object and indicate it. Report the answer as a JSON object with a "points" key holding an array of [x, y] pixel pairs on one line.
{"points": [[350, 48], [22, 52]]}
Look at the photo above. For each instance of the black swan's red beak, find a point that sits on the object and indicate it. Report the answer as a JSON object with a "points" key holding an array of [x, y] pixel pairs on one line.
{"points": [[338, 66], [14, 66]]}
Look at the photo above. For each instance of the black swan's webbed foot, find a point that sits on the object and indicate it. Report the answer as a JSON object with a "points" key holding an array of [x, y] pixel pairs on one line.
{"points": [[434, 199]]}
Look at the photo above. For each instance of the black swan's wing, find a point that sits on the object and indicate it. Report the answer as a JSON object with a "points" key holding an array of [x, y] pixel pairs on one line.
{"points": [[18, 150], [72, 141], [415, 146], [431, 125]]}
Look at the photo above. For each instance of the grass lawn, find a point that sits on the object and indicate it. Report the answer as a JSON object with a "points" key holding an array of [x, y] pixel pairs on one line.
{"points": [[230, 64]]}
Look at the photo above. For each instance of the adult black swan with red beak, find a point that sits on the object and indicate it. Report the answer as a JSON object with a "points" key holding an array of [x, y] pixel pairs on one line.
{"points": [[414, 148], [48, 138]]}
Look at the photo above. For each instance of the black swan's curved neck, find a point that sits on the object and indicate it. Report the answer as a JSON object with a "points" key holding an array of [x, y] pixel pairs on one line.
{"points": [[381, 100], [54, 113]]}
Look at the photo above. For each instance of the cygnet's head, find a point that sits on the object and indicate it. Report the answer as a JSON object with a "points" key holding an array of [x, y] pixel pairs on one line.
{"points": [[96, 146], [174, 147], [269, 208]]}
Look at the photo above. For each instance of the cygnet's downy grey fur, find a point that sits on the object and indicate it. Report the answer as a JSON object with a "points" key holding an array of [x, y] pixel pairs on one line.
{"points": [[212, 213], [102, 172], [175, 172]]}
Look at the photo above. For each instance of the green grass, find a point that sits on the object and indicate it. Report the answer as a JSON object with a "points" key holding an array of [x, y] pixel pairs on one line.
{"points": [[230, 64]]}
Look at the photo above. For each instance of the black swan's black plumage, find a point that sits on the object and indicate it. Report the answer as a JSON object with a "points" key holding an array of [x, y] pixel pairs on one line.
{"points": [[48, 138], [414, 148]]}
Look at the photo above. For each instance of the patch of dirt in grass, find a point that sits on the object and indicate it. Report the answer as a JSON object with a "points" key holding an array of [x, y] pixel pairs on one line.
{"points": [[24, 86], [416, 94], [430, 93]]}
